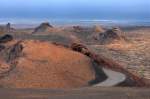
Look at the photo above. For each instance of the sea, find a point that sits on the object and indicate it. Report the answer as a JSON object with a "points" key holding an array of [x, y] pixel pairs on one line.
{"points": [[32, 22]]}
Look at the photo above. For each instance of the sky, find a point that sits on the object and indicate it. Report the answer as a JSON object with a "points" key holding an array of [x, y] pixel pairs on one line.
{"points": [[86, 9]]}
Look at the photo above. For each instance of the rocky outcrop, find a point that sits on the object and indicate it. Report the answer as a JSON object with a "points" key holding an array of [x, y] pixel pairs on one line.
{"points": [[6, 38], [8, 58], [77, 28], [11, 52], [95, 33], [111, 35], [44, 27], [15, 51], [80, 48]]}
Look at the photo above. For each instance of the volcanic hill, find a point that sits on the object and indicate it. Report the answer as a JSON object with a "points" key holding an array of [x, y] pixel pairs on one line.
{"points": [[36, 64]]}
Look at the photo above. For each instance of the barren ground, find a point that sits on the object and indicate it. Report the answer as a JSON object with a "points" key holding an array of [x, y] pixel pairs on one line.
{"points": [[134, 54]]}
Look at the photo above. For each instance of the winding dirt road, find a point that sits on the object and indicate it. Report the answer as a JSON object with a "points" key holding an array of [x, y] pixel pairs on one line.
{"points": [[114, 78]]}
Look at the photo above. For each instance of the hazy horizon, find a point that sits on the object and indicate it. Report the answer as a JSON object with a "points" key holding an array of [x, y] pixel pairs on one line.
{"points": [[75, 9]]}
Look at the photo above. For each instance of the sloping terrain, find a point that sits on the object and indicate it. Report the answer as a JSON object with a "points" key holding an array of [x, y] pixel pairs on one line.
{"points": [[44, 65], [113, 43], [134, 54], [111, 36]]}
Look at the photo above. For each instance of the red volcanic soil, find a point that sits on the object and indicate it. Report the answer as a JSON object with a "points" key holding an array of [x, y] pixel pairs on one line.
{"points": [[46, 65]]}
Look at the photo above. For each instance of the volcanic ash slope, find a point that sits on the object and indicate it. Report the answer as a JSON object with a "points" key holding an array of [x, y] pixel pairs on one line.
{"points": [[46, 65]]}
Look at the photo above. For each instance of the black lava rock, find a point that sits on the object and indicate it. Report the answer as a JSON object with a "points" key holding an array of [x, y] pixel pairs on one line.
{"points": [[6, 38]]}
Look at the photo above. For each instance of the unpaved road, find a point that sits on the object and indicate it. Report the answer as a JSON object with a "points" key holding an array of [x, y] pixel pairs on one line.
{"points": [[83, 93], [114, 78]]}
